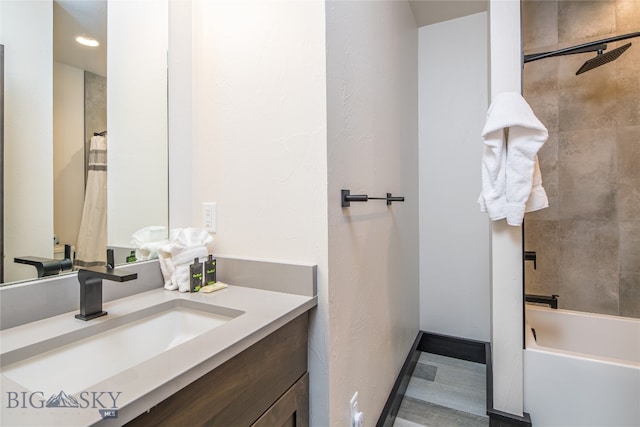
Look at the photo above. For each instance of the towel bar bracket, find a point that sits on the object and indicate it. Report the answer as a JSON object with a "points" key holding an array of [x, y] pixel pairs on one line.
{"points": [[346, 198]]}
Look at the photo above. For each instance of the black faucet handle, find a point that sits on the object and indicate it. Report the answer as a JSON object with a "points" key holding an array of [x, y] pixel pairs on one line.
{"points": [[531, 256], [110, 259]]}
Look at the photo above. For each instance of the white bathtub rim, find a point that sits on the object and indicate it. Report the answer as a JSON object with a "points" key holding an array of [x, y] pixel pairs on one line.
{"points": [[536, 307], [532, 345]]}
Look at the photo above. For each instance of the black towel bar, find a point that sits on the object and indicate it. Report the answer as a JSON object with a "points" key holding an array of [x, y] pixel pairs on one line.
{"points": [[346, 198]]}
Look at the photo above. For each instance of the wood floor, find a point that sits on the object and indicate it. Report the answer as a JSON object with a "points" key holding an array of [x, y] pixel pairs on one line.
{"points": [[444, 392]]}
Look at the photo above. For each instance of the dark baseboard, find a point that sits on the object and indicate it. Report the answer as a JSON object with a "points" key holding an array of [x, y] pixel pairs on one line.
{"points": [[505, 419], [400, 386], [489, 376], [458, 348]]}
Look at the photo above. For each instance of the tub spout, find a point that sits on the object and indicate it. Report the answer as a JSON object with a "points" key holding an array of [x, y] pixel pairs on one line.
{"points": [[551, 301]]}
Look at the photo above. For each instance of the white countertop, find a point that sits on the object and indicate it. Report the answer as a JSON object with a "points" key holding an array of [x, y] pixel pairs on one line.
{"points": [[152, 381]]}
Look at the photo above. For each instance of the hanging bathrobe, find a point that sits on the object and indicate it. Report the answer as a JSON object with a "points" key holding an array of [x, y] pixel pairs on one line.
{"points": [[511, 178], [91, 247]]}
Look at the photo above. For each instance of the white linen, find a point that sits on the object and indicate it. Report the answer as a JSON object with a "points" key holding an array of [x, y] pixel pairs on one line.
{"points": [[511, 178]]}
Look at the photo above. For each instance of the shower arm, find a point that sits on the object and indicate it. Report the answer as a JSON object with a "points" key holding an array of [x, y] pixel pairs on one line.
{"points": [[598, 45]]}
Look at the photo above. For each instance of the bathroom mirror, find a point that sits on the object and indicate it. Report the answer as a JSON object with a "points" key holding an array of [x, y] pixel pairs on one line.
{"points": [[53, 103]]}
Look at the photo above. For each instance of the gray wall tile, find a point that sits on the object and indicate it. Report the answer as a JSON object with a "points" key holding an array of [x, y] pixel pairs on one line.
{"points": [[582, 19], [544, 238], [589, 266], [587, 174], [539, 25], [587, 241], [541, 87], [586, 101], [629, 294], [627, 16], [630, 246], [628, 82], [628, 173]]}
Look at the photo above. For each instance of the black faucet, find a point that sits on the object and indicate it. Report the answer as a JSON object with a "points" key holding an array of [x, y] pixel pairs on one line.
{"points": [[48, 266], [90, 279], [531, 256], [551, 301]]}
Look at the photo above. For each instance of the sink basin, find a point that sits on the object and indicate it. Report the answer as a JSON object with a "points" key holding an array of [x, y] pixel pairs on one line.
{"points": [[75, 362]]}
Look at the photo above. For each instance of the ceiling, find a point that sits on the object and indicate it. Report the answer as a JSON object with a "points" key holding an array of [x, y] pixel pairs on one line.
{"points": [[427, 12], [72, 18], [76, 17]]}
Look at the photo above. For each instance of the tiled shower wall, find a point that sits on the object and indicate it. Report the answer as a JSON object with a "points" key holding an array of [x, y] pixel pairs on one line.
{"points": [[588, 240]]}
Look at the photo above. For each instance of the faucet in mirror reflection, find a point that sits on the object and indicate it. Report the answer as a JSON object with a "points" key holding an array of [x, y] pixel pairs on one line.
{"points": [[92, 237]]}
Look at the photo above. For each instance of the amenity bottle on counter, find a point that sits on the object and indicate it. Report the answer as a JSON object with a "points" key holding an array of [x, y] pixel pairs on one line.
{"points": [[210, 271], [195, 271]]}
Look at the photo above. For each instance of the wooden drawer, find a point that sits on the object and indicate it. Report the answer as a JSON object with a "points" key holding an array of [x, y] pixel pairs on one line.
{"points": [[243, 389]]}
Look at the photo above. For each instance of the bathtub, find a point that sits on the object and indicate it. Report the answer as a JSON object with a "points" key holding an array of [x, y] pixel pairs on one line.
{"points": [[581, 369]]}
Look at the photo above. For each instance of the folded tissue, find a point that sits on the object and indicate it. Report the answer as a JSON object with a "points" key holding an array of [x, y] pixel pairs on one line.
{"points": [[184, 246]]}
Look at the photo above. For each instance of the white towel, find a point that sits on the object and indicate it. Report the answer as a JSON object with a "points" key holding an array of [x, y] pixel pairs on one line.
{"points": [[148, 240], [511, 178], [176, 256], [181, 279]]}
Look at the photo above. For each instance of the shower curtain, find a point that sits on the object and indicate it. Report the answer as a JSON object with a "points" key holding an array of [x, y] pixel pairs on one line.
{"points": [[91, 247]]}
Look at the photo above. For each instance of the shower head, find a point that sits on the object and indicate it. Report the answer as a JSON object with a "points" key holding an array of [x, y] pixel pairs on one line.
{"points": [[602, 58], [597, 45]]}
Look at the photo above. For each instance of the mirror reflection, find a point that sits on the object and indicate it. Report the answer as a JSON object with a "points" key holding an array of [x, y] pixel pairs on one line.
{"points": [[85, 133]]}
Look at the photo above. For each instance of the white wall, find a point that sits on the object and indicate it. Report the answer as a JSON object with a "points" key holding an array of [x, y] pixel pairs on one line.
{"points": [[454, 234], [180, 95], [506, 241], [26, 31], [68, 156], [372, 102], [259, 148], [136, 117], [260, 126]]}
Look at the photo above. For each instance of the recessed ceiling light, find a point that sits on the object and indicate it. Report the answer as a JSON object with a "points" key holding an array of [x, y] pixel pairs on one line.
{"points": [[87, 41]]}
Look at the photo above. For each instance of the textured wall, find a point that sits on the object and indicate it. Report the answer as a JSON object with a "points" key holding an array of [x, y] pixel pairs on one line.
{"points": [[588, 240], [372, 148]]}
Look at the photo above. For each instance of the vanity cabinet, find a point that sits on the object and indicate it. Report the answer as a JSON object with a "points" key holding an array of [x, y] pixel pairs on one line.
{"points": [[265, 385]]}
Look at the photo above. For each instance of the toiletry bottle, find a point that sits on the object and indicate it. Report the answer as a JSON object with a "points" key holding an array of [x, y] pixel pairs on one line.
{"points": [[210, 271], [132, 257], [196, 275]]}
